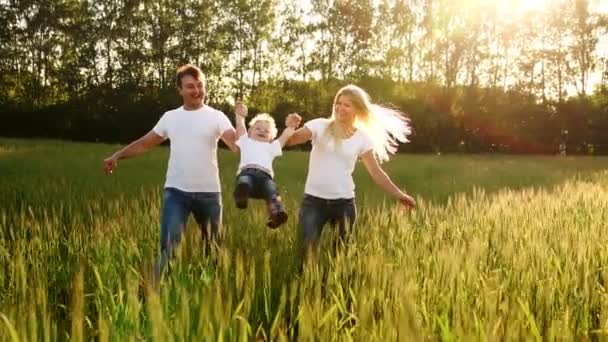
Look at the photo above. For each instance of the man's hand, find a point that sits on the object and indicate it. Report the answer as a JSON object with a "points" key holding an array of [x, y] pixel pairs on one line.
{"points": [[240, 109], [293, 120], [109, 164]]}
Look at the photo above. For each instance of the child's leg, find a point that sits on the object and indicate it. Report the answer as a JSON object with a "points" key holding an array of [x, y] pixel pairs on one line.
{"points": [[276, 210], [244, 183]]}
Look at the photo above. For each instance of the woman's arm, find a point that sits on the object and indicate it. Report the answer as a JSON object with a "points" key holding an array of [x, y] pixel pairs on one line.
{"points": [[382, 179], [287, 133], [300, 136]]}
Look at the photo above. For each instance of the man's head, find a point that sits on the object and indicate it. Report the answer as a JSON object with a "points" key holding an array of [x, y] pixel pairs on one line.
{"points": [[190, 83]]}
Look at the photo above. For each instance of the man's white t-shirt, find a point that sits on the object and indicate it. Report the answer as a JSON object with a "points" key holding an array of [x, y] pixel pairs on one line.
{"points": [[193, 152], [331, 166], [258, 153]]}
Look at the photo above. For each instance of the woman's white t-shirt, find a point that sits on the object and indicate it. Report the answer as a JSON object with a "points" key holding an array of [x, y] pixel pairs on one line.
{"points": [[331, 165], [193, 152], [258, 153]]}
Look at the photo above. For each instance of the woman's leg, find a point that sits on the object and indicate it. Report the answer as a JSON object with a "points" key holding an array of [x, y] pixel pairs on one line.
{"points": [[343, 217], [312, 217]]}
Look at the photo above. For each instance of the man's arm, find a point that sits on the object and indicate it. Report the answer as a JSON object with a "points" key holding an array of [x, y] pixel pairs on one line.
{"points": [[134, 149], [229, 138]]}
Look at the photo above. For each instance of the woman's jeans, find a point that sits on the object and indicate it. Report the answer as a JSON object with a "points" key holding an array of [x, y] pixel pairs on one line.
{"points": [[315, 212]]}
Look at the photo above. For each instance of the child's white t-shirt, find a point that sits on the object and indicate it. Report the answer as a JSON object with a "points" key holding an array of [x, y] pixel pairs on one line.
{"points": [[258, 153], [331, 165], [193, 151]]}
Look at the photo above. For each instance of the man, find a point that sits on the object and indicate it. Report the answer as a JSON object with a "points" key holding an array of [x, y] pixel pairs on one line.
{"points": [[192, 183]]}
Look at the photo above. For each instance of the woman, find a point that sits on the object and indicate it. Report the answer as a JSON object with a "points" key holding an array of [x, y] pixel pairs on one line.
{"points": [[356, 129]]}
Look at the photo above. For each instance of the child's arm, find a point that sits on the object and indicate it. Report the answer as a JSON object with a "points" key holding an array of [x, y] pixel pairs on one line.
{"points": [[287, 133], [240, 111], [292, 122]]}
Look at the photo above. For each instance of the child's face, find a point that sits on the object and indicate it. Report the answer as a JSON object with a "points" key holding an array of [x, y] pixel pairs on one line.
{"points": [[260, 131]]}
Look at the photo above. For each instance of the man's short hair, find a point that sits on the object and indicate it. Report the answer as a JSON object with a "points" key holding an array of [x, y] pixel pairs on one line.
{"points": [[188, 69]]}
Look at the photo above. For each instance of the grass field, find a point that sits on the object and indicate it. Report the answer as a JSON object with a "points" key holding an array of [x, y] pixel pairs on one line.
{"points": [[500, 248]]}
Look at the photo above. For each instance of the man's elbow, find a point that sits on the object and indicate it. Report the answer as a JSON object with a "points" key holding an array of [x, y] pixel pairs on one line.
{"points": [[232, 147]]}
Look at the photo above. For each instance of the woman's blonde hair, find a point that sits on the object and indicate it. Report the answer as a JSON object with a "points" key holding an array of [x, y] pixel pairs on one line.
{"points": [[385, 126], [265, 117]]}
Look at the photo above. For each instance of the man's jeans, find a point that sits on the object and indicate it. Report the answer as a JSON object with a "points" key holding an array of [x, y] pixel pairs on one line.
{"points": [[315, 212], [177, 206]]}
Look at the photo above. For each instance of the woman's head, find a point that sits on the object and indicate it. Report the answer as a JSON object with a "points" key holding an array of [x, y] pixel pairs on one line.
{"points": [[351, 105], [385, 126], [262, 127]]}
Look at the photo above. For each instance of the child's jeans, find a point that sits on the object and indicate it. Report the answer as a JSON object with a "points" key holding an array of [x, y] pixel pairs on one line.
{"points": [[261, 185]]}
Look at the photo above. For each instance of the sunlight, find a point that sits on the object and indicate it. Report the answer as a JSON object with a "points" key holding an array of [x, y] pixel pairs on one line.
{"points": [[519, 7], [533, 5]]}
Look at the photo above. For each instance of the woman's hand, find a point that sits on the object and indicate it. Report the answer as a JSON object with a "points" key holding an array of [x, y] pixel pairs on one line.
{"points": [[407, 201], [293, 120]]}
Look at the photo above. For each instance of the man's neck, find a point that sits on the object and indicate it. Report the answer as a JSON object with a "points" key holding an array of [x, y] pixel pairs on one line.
{"points": [[193, 106]]}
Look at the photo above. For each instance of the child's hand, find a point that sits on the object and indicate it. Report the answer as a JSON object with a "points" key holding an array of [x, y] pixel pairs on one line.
{"points": [[240, 109], [293, 120], [407, 201]]}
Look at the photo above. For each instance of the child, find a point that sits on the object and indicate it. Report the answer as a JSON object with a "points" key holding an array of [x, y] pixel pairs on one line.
{"points": [[258, 149]]}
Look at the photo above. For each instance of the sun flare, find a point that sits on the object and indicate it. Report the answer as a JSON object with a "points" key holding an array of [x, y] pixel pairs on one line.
{"points": [[519, 7]]}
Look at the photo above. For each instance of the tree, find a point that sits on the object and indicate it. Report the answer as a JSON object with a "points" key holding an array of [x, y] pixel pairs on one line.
{"points": [[585, 35]]}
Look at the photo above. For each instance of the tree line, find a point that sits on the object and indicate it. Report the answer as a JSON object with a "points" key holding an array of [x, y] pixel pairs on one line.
{"points": [[472, 76]]}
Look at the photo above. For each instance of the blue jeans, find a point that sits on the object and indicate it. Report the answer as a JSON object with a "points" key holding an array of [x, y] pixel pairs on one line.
{"points": [[177, 206], [260, 183], [315, 212]]}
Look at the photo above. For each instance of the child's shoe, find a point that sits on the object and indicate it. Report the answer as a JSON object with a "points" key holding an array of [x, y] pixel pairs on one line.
{"points": [[276, 213], [241, 195]]}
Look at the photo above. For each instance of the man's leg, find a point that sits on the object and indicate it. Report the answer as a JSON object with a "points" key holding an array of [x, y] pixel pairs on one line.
{"points": [[174, 216], [207, 211], [243, 187]]}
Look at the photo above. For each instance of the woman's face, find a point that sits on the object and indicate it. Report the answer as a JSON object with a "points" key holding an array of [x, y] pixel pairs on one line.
{"points": [[344, 110]]}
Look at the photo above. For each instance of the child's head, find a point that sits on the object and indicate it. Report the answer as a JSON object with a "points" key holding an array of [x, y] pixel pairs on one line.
{"points": [[262, 128]]}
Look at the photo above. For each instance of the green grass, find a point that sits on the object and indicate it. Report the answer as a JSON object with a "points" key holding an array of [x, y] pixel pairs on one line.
{"points": [[501, 247]]}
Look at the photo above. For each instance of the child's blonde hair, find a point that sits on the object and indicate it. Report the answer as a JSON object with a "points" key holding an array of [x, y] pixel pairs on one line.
{"points": [[265, 117]]}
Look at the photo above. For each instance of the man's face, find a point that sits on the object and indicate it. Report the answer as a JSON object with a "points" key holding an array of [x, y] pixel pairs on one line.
{"points": [[192, 90]]}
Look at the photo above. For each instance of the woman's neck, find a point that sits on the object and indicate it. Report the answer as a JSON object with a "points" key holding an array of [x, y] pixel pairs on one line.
{"points": [[343, 130]]}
